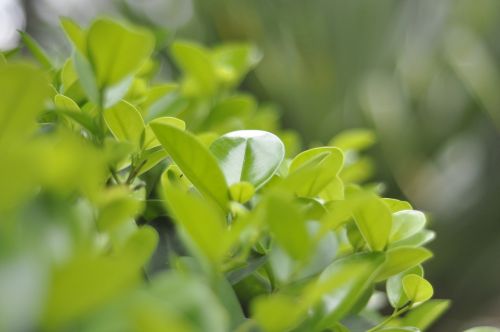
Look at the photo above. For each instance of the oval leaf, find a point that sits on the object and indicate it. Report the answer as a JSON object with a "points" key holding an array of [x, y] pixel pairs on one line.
{"points": [[249, 155], [374, 220], [416, 288], [125, 122], [194, 160]]}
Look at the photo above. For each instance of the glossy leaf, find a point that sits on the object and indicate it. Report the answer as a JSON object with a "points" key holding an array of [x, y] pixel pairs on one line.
{"points": [[425, 314], [125, 122], [248, 155], [394, 286], [116, 50], [195, 161], [374, 221], [416, 288], [406, 223], [402, 258], [241, 192]]}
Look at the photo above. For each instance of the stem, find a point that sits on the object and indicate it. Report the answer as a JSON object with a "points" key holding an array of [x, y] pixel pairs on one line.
{"points": [[395, 314], [115, 176], [134, 172]]}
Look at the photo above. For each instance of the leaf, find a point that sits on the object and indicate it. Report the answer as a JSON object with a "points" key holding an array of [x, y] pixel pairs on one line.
{"points": [[416, 288], [197, 67], [276, 313], [65, 103], [416, 240], [241, 192], [354, 139], [76, 34], [116, 50], [342, 283], [400, 329], [23, 90], [195, 161], [425, 314], [402, 258], [150, 140], [203, 223], [87, 78], [374, 220], [394, 287], [125, 122], [406, 223], [313, 170], [396, 205], [37, 51], [287, 225], [233, 61], [248, 155]]}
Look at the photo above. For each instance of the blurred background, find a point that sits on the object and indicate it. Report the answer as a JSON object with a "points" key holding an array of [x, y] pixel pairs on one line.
{"points": [[424, 75]]}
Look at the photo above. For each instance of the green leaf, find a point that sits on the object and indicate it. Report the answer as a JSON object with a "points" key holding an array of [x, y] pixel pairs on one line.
{"points": [[248, 155], [150, 140], [416, 288], [416, 240], [287, 225], [76, 34], [65, 103], [396, 205], [87, 78], [425, 314], [402, 258], [233, 61], [342, 284], [406, 223], [195, 161], [313, 170], [196, 64], [116, 50], [241, 192], [354, 139], [36, 50], [23, 90], [400, 329], [394, 286], [125, 122], [276, 313], [374, 221], [203, 223]]}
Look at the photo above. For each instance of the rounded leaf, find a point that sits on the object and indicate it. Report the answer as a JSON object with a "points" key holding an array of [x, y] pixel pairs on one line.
{"points": [[248, 155], [416, 288]]}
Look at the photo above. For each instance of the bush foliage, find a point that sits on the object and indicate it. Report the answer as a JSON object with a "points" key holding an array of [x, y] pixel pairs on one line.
{"points": [[133, 204]]}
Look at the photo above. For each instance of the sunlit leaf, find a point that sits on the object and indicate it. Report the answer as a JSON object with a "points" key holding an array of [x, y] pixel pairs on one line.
{"points": [[402, 258], [195, 161], [416, 288], [374, 221], [125, 122], [248, 155]]}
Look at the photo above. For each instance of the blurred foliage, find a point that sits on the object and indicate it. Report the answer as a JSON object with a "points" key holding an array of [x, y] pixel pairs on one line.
{"points": [[130, 204]]}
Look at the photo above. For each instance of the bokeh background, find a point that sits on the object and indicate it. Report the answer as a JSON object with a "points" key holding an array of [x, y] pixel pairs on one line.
{"points": [[424, 75]]}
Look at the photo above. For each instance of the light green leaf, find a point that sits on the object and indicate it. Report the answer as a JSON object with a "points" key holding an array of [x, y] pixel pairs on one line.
{"points": [[400, 329], [416, 240], [241, 192], [394, 286], [195, 161], [233, 61], [425, 314], [396, 205], [354, 139], [117, 51], [203, 223], [248, 155], [65, 103], [313, 170], [342, 284], [287, 225], [125, 122], [87, 78], [150, 140], [402, 258], [374, 221], [197, 67], [76, 34], [416, 288], [406, 223], [23, 90], [36, 50], [276, 313]]}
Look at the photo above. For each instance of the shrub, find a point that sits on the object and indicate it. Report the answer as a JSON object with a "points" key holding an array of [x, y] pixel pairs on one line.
{"points": [[129, 204]]}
